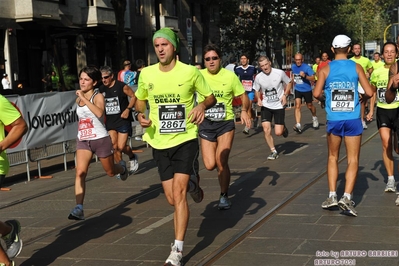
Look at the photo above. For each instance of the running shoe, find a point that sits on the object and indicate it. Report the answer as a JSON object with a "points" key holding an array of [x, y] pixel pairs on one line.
{"points": [[397, 201], [197, 194], [273, 156], [12, 240], [175, 257], [133, 164], [123, 176], [246, 131], [390, 186], [224, 203], [315, 123], [76, 214], [347, 205], [297, 129], [364, 124], [285, 132], [330, 202]]}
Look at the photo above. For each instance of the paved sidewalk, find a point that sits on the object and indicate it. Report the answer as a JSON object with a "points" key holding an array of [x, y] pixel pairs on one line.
{"points": [[130, 223]]}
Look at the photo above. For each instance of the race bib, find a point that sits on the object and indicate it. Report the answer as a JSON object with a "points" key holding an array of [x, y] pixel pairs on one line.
{"points": [[271, 96], [216, 113], [298, 79], [172, 118], [112, 106], [86, 129], [342, 100], [381, 95], [247, 85]]}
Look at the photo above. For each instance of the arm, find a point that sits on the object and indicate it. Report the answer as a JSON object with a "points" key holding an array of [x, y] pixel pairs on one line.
{"points": [[392, 87], [141, 106], [18, 129], [369, 116], [321, 79], [98, 105], [287, 91], [368, 90], [129, 92], [246, 104]]}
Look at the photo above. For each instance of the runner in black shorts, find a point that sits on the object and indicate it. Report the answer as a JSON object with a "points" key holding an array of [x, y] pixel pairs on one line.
{"points": [[217, 129]]}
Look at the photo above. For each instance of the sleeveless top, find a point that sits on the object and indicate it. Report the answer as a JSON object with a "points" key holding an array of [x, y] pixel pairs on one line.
{"points": [[341, 90], [116, 101], [90, 127]]}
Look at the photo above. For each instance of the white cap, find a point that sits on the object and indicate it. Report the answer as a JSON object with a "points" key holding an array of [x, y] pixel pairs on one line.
{"points": [[341, 41]]}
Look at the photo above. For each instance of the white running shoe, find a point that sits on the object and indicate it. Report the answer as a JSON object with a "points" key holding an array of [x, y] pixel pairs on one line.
{"points": [[175, 257]]}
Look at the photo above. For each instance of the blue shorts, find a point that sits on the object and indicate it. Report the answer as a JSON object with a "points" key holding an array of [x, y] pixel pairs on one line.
{"points": [[251, 95], [344, 128]]}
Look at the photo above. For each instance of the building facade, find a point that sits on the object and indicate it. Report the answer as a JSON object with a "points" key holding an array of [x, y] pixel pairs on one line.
{"points": [[38, 34]]}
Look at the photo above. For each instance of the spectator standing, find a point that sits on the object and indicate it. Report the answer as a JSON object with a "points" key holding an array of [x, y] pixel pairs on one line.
{"points": [[6, 82]]}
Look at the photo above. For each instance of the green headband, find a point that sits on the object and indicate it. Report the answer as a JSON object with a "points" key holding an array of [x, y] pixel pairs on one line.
{"points": [[169, 35]]}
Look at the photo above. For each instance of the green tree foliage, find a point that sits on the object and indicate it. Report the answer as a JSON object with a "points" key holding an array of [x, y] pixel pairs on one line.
{"points": [[267, 23]]}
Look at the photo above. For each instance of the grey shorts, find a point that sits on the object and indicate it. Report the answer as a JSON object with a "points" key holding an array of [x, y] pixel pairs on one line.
{"points": [[100, 147], [211, 130]]}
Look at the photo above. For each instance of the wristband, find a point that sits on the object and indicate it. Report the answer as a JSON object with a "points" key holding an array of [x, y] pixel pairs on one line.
{"points": [[243, 110]]}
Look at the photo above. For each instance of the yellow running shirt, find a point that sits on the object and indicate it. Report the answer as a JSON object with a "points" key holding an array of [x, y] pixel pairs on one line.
{"points": [[225, 86], [171, 97], [379, 78]]}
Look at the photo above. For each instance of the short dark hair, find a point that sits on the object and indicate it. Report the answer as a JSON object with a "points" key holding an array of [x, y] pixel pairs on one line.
{"points": [[212, 47], [92, 72], [387, 43], [232, 60], [139, 63]]}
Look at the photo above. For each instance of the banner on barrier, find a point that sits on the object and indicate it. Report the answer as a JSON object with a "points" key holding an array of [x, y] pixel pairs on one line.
{"points": [[51, 118]]}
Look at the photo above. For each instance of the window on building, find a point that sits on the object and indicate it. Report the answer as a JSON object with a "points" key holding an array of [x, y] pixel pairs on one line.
{"points": [[90, 2]]}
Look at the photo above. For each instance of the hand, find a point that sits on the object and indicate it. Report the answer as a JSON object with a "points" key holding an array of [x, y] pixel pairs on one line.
{"points": [[283, 100], [143, 122], [245, 119], [260, 103], [197, 114], [125, 114], [369, 116], [80, 94]]}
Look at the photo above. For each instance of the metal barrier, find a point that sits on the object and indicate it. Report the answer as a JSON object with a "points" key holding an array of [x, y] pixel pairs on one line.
{"points": [[18, 158], [54, 150], [48, 152]]}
